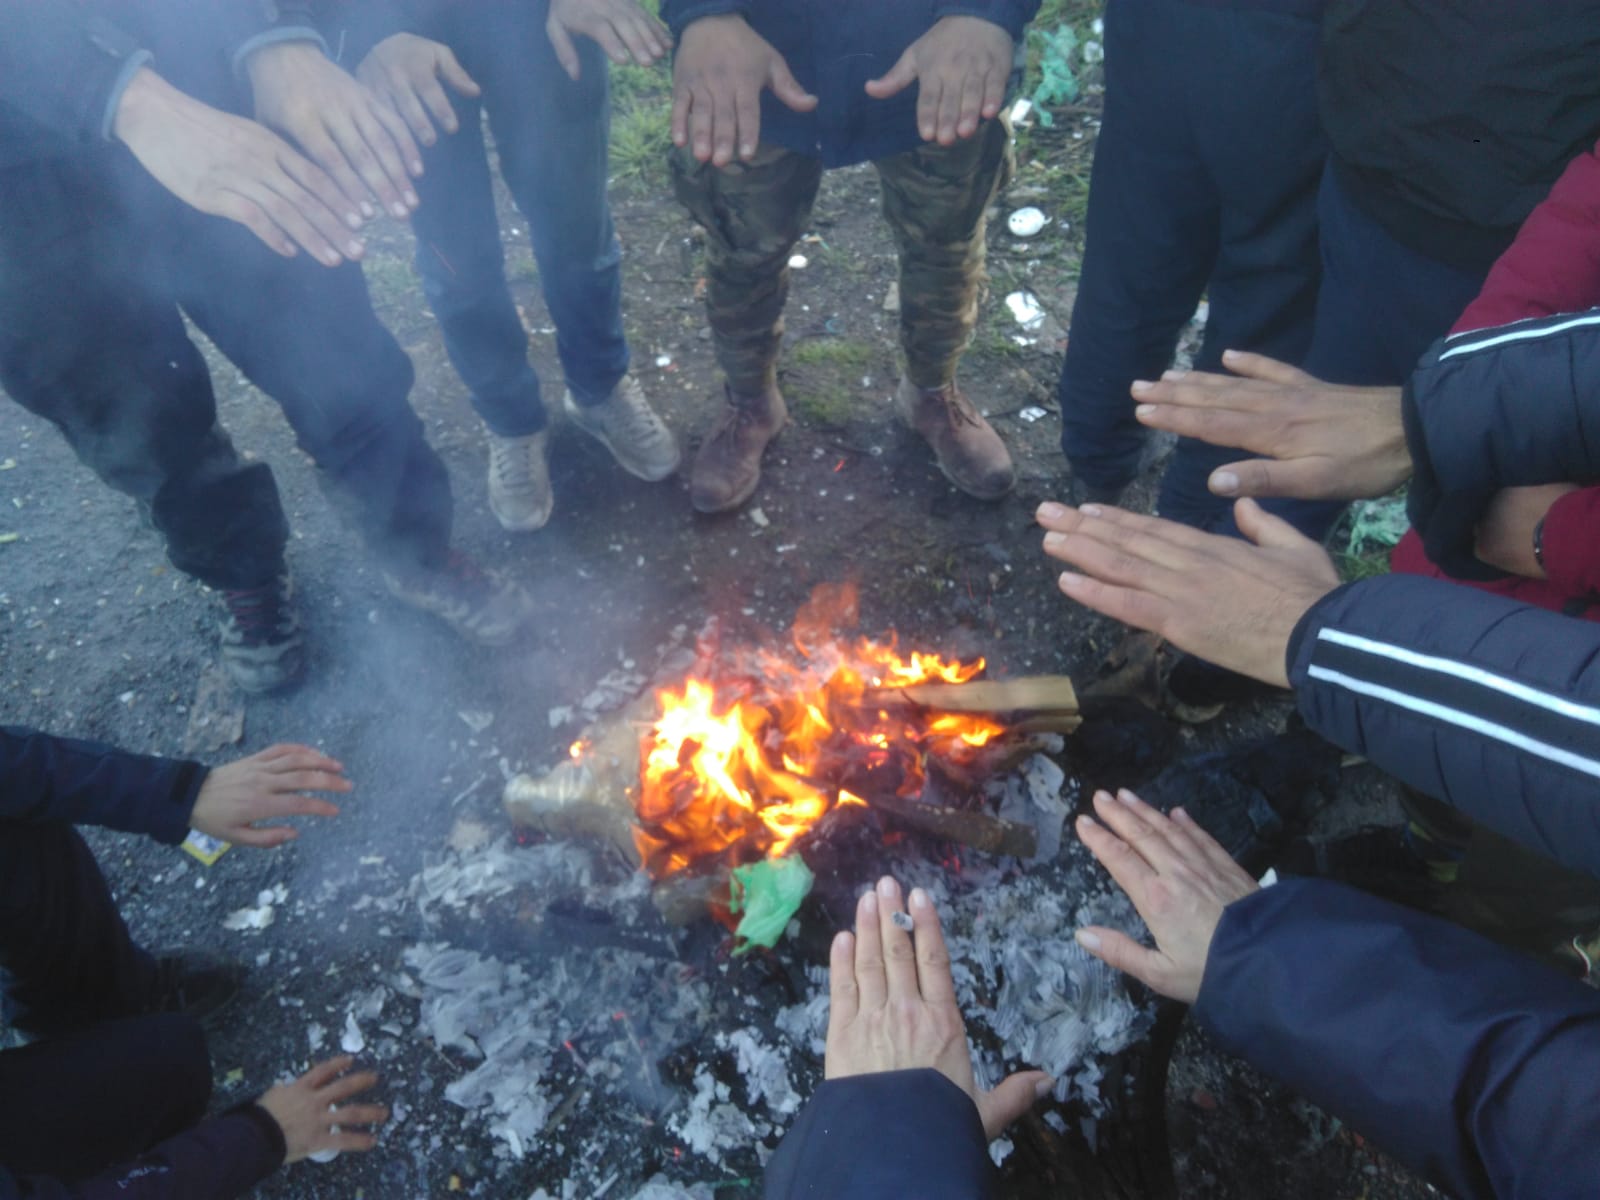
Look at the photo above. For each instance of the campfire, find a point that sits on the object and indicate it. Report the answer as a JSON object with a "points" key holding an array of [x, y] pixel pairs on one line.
{"points": [[761, 748]]}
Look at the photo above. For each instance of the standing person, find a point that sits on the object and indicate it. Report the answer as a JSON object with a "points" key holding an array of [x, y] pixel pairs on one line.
{"points": [[1204, 183], [130, 196], [538, 70], [770, 93], [107, 1100]]}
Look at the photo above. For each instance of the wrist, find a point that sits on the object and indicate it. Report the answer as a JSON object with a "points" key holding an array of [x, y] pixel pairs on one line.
{"points": [[145, 93], [275, 51]]}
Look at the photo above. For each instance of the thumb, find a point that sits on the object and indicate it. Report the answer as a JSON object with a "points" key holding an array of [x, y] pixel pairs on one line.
{"points": [[1266, 530], [1259, 366], [787, 88], [561, 43], [901, 76], [455, 74], [1012, 1097]]}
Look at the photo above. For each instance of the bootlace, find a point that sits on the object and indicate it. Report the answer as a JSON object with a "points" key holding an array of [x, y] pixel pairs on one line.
{"points": [[958, 406], [510, 462], [638, 421], [256, 610]]}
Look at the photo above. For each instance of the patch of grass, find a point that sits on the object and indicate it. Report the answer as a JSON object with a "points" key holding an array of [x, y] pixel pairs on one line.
{"points": [[641, 123], [823, 404], [389, 278], [842, 353]]}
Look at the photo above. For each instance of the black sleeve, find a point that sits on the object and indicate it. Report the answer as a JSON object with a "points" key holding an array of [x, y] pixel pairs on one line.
{"points": [[44, 778], [678, 15], [1496, 408], [63, 61], [1011, 15], [353, 27], [217, 1160], [1489, 705], [898, 1133], [1475, 1066]]}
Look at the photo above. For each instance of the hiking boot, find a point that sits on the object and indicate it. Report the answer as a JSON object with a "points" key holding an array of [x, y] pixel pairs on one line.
{"points": [[969, 451], [625, 424], [478, 604], [728, 466], [263, 648], [519, 481], [196, 985]]}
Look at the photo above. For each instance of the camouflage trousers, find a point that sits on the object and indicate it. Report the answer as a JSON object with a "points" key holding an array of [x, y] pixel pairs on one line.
{"points": [[935, 199]]}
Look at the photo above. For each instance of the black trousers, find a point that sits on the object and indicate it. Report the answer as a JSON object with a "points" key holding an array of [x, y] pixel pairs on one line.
{"points": [[103, 1081]]}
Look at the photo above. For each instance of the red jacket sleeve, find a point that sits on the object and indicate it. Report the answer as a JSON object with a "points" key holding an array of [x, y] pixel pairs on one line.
{"points": [[1571, 542], [1554, 264]]}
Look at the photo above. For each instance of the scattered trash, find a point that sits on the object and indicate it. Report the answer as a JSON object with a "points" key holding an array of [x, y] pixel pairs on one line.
{"points": [[1058, 83], [1022, 113], [204, 847], [1033, 413], [1026, 222], [1026, 309], [769, 893], [1377, 524], [663, 360], [261, 916], [560, 715], [469, 834], [759, 518], [234, 1077], [10, 464], [891, 298], [216, 716], [352, 1041], [475, 720], [7, 538], [798, 262]]}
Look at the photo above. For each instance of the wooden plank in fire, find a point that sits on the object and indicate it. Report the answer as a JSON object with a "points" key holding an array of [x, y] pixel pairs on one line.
{"points": [[980, 830], [1028, 704]]}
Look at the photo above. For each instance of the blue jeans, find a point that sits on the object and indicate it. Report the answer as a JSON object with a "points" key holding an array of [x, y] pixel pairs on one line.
{"points": [[1205, 180], [551, 138]]}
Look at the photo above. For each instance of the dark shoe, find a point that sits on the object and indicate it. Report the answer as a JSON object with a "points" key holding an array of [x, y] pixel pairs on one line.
{"points": [[728, 466], [1081, 493], [969, 451], [196, 985], [263, 648], [480, 605], [1197, 690]]}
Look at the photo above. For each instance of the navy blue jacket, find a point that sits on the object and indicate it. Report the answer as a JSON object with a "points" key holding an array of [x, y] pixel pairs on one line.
{"points": [[44, 778], [834, 47]]}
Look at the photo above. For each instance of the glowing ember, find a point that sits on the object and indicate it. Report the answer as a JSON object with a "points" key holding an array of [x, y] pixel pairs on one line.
{"points": [[738, 767]]}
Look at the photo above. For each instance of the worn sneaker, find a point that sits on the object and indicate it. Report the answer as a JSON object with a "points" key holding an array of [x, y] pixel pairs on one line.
{"points": [[627, 426], [728, 467], [263, 648], [969, 451], [196, 985], [480, 605], [519, 481]]}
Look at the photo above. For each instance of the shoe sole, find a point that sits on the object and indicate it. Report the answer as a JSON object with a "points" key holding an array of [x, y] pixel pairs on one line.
{"points": [[528, 526], [738, 500], [902, 411], [575, 415]]}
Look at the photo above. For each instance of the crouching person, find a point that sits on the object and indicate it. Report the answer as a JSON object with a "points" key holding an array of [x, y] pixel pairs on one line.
{"points": [[108, 1096]]}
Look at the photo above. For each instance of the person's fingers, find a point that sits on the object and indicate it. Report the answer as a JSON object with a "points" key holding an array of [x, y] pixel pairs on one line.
{"points": [[349, 1141], [328, 1068], [844, 997], [1302, 478], [1125, 865], [1129, 605], [455, 74], [660, 35], [1010, 1098], [747, 104], [682, 100], [566, 52], [1141, 827], [315, 231], [246, 212], [899, 957], [360, 1114], [930, 88], [899, 77], [1264, 529], [350, 160], [1259, 366], [726, 103], [610, 43], [312, 756], [310, 781], [634, 33], [994, 90], [953, 109], [262, 839], [1217, 424], [1116, 949], [933, 956], [401, 158], [309, 806], [346, 1086], [408, 102], [787, 88], [322, 153], [871, 981], [1119, 563]]}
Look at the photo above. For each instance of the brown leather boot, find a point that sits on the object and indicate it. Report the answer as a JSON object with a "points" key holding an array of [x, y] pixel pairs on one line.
{"points": [[728, 466], [969, 451]]}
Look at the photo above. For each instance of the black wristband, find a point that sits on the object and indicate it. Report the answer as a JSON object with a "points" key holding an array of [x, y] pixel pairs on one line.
{"points": [[1538, 543]]}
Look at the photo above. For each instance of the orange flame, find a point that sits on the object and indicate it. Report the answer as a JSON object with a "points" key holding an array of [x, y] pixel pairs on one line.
{"points": [[737, 770]]}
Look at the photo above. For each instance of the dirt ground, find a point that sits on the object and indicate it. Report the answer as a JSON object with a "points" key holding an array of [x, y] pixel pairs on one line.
{"points": [[99, 637]]}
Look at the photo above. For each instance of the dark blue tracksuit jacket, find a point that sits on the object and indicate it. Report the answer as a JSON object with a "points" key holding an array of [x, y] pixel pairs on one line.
{"points": [[50, 779], [1475, 1066], [834, 47]]}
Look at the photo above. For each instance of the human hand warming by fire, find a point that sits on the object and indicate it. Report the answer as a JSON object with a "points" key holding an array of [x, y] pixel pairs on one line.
{"points": [[621, 28], [720, 71], [404, 71], [1223, 599], [311, 1116], [893, 1006], [1178, 877], [263, 787], [961, 67]]}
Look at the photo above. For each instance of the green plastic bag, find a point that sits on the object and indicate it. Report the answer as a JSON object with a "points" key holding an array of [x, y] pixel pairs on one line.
{"points": [[1377, 524], [768, 893], [1058, 83]]}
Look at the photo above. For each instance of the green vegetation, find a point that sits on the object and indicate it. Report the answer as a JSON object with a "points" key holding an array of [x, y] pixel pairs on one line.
{"points": [[822, 379], [843, 353]]}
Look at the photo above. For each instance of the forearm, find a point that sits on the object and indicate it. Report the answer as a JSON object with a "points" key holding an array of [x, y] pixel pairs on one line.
{"points": [[1475, 1066], [217, 1160], [45, 778], [1570, 544], [1486, 704], [898, 1133]]}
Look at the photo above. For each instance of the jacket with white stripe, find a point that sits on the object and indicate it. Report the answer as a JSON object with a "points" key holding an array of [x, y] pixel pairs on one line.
{"points": [[1511, 406]]}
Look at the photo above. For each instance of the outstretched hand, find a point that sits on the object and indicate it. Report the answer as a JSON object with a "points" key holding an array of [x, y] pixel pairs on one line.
{"points": [[717, 80], [264, 787], [1178, 877], [961, 66], [1322, 441], [625, 31], [355, 137], [893, 1006], [1222, 599], [311, 1116], [404, 71], [231, 167]]}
